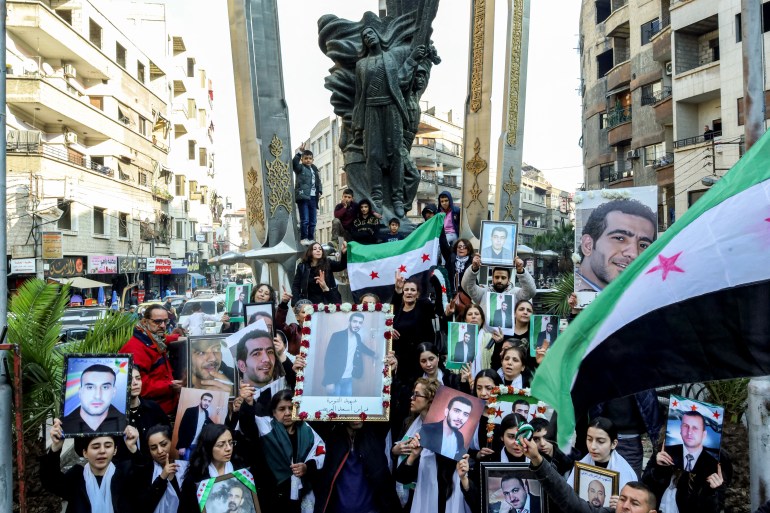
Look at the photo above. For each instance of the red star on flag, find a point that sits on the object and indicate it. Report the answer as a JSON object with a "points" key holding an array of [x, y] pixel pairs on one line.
{"points": [[498, 413], [674, 403], [320, 450], [667, 265], [716, 415], [374, 274], [402, 269], [694, 408], [425, 257], [443, 289]]}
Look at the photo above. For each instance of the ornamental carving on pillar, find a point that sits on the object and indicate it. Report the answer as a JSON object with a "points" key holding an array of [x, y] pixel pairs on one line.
{"points": [[515, 68], [278, 179], [475, 166], [477, 54], [511, 188], [254, 202]]}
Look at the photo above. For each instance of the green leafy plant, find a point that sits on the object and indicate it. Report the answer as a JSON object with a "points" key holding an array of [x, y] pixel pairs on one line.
{"points": [[556, 302], [733, 394]]}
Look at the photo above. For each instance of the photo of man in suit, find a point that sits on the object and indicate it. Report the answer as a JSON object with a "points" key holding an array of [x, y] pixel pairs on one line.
{"points": [[446, 432], [517, 497], [237, 307], [96, 413], [497, 252], [193, 420], [344, 358], [503, 317], [690, 455], [549, 335], [465, 350]]}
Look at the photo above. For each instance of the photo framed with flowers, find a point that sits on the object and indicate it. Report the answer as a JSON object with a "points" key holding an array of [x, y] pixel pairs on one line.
{"points": [[345, 377], [230, 492], [508, 399]]}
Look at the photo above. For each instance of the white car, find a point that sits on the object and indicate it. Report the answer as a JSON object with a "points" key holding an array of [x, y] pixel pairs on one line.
{"points": [[210, 305]]}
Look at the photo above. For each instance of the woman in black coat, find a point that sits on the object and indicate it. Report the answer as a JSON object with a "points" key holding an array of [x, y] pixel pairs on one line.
{"points": [[314, 279]]}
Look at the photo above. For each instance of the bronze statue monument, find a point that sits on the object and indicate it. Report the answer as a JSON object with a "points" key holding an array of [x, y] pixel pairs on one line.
{"points": [[381, 69]]}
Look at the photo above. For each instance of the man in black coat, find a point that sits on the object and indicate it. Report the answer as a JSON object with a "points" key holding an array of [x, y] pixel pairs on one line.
{"points": [[444, 437], [193, 420], [503, 317], [465, 350], [344, 361]]}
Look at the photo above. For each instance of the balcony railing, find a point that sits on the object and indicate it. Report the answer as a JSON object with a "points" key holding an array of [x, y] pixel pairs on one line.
{"points": [[59, 153], [618, 116], [689, 141], [447, 181], [663, 161], [617, 4], [657, 96]]}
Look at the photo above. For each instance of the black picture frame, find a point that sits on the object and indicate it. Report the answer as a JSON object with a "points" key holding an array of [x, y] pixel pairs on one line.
{"points": [[492, 477], [512, 231], [221, 482], [227, 366], [252, 309], [73, 366]]}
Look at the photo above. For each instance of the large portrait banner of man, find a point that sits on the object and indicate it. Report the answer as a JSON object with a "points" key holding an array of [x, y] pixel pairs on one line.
{"points": [[612, 228], [345, 377], [95, 394], [694, 434]]}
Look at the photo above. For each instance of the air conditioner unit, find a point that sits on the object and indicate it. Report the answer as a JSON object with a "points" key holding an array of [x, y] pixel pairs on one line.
{"points": [[71, 138], [669, 68], [69, 71], [632, 154]]}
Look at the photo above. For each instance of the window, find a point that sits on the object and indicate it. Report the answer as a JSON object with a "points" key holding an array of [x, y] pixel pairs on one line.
{"points": [[142, 178], [179, 230], [714, 47], [122, 117], [65, 221], [143, 123], [203, 158], [651, 93], [120, 55], [327, 140], [605, 172], [179, 185], [190, 150], [693, 196], [652, 153], [603, 10], [140, 72], [65, 14], [649, 29], [202, 74], [603, 120], [604, 63], [765, 22], [192, 230], [190, 67], [97, 101], [100, 221], [192, 109], [94, 33], [123, 225], [740, 106]]}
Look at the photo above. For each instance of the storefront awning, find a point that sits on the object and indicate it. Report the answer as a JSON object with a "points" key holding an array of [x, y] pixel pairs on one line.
{"points": [[197, 277], [79, 282]]}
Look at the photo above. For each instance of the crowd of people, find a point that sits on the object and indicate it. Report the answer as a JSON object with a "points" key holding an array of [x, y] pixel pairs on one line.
{"points": [[373, 467]]}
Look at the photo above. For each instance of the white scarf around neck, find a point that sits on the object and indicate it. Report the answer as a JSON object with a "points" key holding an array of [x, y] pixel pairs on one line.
{"points": [[169, 503], [213, 472], [100, 496]]}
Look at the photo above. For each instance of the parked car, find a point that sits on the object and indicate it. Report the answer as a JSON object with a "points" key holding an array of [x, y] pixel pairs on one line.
{"points": [[203, 292], [83, 315], [73, 333], [211, 305]]}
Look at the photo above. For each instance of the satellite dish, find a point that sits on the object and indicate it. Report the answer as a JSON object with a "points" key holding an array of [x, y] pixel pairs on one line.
{"points": [[30, 67], [47, 69]]}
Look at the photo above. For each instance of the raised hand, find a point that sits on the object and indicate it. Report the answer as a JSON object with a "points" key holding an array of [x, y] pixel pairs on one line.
{"points": [[285, 297], [57, 436], [132, 436], [476, 263], [399, 282]]}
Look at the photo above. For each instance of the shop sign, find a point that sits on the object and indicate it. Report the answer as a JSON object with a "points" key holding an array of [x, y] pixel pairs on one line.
{"points": [[22, 266], [67, 267], [162, 265], [102, 264], [128, 265], [52, 246]]}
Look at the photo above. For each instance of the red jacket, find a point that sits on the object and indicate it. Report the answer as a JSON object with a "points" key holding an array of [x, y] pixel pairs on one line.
{"points": [[293, 331], [154, 367]]}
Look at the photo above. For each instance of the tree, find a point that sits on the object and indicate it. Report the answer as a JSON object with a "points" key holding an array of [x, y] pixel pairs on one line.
{"points": [[560, 240], [34, 324]]}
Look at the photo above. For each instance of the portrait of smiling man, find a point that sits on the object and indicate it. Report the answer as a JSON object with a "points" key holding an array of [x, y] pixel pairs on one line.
{"points": [[207, 369], [96, 413], [616, 233]]}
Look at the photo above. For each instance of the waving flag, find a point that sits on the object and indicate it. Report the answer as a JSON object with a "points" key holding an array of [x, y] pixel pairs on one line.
{"points": [[695, 306], [375, 265]]}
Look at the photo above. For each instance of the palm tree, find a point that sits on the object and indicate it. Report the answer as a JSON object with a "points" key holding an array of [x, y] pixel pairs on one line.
{"points": [[34, 324]]}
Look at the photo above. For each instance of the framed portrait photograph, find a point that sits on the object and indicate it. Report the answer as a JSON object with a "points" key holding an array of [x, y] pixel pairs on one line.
{"points": [[694, 434], [511, 487], [451, 422], [543, 330], [95, 394], [236, 299], [612, 227], [251, 349], [595, 484], [196, 409], [261, 311], [345, 377], [462, 341], [500, 312], [230, 493], [210, 365], [498, 243]]}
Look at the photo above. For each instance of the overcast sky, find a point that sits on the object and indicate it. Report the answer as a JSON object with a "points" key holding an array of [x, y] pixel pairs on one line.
{"points": [[552, 124]]}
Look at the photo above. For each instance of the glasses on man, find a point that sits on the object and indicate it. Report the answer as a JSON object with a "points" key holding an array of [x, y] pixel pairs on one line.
{"points": [[160, 321], [225, 443]]}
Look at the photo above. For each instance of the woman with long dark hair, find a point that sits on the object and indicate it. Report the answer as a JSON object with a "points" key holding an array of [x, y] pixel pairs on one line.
{"points": [[458, 263], [264, 293], [412, 324], [166, 480], [314, 279]]}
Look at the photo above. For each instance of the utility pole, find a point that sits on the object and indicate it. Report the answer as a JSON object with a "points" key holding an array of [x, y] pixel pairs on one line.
{"points": [[6, 403], [754, 127]]}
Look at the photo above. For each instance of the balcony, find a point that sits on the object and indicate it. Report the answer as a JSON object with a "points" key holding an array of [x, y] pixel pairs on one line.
{"points": [[691, 141], [621, 179], [620, 74], [532, 207], [657, 96], [664, 169], [661, 45]]}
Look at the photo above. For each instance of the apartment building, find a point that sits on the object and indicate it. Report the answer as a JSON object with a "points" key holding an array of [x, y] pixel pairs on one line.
{"points": [[662, 95], [543, 206]]}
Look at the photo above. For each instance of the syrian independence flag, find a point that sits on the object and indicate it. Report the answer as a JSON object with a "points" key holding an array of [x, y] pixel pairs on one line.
{"points": [[371, 266], [695, 306]]}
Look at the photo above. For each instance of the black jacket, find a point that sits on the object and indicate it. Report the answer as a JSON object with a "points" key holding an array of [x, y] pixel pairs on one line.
{"points": [[369, 445], [305, 287], [188, 425], [337, 356], [126, 484], [302, 180]]}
